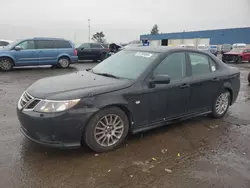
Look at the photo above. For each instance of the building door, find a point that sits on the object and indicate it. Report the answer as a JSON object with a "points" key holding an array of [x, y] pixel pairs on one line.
{"points": [[164, 42]]}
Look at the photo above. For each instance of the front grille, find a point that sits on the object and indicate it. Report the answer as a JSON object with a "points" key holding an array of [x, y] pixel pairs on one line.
{"points": [[229, 57], [27, 101]]}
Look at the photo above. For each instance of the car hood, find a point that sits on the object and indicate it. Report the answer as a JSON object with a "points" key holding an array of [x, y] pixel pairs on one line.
{"points": [[233, 53], [76, 85]]}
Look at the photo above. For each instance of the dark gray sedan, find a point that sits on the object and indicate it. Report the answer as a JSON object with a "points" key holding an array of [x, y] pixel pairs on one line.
{"points": [[134, 90]]}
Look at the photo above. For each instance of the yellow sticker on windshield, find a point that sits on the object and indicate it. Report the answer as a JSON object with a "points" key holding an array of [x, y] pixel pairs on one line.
{"points": [[144, 54]]}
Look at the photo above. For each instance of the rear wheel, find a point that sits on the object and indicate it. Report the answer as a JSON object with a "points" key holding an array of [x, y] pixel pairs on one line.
{"points": [[106, 130], [103, 56], [6, 64], [63, 62], [221, 104]]}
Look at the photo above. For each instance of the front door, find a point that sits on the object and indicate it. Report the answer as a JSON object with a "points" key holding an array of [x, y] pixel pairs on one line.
{"points": [[162, 102], [27, 55], [84, 52], [47, 54], [206, 80]]}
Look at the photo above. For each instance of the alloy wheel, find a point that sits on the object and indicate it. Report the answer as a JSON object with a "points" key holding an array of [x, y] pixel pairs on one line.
{"points": [[109, 130], [5, 64], [222, 103], [64, 63]]}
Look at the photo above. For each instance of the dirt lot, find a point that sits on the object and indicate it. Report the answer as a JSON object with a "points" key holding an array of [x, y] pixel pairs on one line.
{"points": [[202, 152]]}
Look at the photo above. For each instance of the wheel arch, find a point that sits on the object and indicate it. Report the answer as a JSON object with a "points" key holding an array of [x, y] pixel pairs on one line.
{"points": [[63, 55], [228, 87], [9, 57]]}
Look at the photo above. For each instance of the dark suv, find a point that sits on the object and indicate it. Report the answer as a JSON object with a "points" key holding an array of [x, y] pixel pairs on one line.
{"points": [[92, 51]]}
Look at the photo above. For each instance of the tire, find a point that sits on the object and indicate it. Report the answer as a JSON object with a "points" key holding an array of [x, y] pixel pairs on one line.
{"points": [[98, 137], [103, 56], [221, 104], [239, 60], [63, 62], [248, 77], [6, 64]]}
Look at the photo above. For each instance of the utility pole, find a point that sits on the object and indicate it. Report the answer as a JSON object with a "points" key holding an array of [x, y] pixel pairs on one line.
{"points": [[89, 28]]}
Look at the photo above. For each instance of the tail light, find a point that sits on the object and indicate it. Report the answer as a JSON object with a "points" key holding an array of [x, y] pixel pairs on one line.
{"points": [[75, 52]]}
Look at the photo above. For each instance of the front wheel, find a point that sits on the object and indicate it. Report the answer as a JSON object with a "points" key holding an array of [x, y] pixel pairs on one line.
{"points": [[6, 64], [221, 104], [239, 60], [106, 130], [63, 62]]}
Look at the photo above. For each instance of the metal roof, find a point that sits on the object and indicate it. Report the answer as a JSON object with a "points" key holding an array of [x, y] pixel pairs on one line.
{"points": [[219, 36]]}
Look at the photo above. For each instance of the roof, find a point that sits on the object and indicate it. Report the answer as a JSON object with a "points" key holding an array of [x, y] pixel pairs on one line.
{"points": [[157, 49], [218, 36], [46, 38], [9, 41]]}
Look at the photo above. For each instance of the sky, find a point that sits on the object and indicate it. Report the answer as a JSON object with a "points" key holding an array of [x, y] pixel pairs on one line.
{"points": [[120, 20]]}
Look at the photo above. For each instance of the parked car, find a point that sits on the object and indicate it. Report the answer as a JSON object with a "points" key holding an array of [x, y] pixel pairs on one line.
{"points": [[135, 90], [203, 47], [226, 48], [187, 45], [4, 42], [213, 49], [239, 45], [236, 55], [92, 51], [38, 51]]}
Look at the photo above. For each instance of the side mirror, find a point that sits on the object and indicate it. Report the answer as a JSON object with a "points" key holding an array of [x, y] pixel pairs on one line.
{"points": [[18, 48], [82, 48], [160, 79]]}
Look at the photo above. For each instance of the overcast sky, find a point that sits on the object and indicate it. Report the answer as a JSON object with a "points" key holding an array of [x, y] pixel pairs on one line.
{"points": [[120, 20]]}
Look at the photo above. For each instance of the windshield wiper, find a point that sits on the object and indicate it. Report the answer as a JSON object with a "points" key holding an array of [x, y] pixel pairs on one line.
{"points": [[107, 75]]}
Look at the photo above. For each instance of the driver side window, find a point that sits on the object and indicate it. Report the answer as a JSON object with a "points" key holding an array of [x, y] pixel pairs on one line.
{"points": [[27, 45], [174, 65]]}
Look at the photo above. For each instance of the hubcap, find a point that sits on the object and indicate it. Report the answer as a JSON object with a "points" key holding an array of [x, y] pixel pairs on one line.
{"points": [[5, 64], [109, 130], [222, 103], [64, 62]]}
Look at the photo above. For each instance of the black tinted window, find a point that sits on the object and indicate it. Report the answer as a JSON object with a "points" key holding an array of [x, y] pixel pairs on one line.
{"points": [[96, 46], [44, 44], [174, 66], [199, 63], [86, 45], [62, 44], [3, 43]]}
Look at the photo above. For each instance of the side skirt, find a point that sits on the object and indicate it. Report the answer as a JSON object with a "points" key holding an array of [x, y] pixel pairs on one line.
{"points": [[167, 122]]}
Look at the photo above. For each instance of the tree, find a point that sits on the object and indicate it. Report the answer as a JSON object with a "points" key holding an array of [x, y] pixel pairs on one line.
{"points": [[155, 30], [99, 37]]}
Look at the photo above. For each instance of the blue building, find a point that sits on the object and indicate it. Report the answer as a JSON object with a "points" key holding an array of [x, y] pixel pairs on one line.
{"points": [[212, 37]]}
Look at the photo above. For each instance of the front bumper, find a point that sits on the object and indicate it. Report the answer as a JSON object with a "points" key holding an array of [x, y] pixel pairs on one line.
{"points": [[63, 130], [230, 58]]}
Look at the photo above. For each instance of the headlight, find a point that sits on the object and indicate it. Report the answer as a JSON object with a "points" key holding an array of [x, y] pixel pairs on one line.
{"points": [[55, 106]]}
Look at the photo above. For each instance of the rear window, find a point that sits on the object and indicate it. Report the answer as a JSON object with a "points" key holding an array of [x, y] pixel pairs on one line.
{"points": [[3, 43], [62, 44]]}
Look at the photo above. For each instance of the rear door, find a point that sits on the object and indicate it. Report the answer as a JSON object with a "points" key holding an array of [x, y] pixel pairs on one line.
{"points": [[96, 50], [47, 54], [84, 52], [27, 55], [64, 48], [205, 84]]}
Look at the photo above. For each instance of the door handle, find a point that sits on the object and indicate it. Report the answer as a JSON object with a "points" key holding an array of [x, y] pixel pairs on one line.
{"points": [[184, 86], [215, 79]]}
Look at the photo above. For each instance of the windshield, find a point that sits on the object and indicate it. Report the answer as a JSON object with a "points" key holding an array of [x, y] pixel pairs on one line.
{"points": [[126, 64], [237, 50], [226, 46], [11, 45]]}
